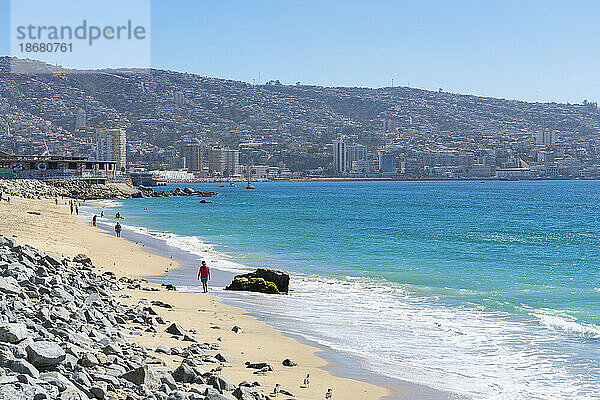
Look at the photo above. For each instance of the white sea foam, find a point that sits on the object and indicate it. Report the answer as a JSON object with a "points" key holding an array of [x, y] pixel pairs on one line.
{"points": [[107, 203], [193, 245], [466, 350], [569, 325]]}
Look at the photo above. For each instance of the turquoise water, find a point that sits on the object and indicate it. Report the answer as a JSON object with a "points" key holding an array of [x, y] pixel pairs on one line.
{"points": [[490, 290]]}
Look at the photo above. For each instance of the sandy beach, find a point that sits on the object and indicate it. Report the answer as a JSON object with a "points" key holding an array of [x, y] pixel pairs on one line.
{"points": [[58, 233]]}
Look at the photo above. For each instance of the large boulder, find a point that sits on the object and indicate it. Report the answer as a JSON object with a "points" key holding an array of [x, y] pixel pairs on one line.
{"points": [[12, 332], [263, 280], [45, 354]]}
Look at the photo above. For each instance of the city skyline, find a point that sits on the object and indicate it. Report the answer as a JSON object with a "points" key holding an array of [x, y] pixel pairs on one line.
{"points": [[539, 51]]}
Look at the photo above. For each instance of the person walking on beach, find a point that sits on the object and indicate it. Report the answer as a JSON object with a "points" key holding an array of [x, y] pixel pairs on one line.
{"points": [[204, 276], [76, 209], [71, 207], [118, 229], [94, 218], [101, 214]]}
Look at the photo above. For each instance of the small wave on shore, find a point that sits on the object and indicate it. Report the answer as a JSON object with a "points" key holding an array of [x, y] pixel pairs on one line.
{"points": [[193, 245], [107, 203], [569, 325]]}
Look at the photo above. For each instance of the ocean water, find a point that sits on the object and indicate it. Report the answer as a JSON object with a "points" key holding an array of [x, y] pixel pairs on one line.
{"points": [[487, 290]]}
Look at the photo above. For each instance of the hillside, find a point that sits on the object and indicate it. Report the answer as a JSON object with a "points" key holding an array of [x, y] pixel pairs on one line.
{"points": [[300, 119]]}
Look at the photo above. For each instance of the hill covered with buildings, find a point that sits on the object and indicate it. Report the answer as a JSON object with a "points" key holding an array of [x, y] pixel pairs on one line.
{"points": [[291, 127]]}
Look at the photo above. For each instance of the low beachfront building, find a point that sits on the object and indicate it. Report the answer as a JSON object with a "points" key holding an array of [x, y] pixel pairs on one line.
{"points": [[514, 173], [54, 167]]}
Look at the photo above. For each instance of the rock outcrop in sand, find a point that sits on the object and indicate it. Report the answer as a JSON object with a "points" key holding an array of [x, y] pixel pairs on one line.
{"points": [[263, 280]]}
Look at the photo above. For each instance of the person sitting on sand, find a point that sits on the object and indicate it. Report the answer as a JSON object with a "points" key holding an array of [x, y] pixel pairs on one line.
{"points": [[204, 276], [118, 229]]}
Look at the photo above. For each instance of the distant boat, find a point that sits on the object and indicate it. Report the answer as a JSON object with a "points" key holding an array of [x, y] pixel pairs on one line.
{"points": [[231, 184], [249, 185]]}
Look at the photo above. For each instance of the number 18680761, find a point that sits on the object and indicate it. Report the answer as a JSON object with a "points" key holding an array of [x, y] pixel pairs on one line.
{"points": [[56, 47]]}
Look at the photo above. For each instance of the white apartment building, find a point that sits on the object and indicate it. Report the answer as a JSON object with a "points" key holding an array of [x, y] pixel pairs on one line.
{"points": [[111, 145], [224, 162]]}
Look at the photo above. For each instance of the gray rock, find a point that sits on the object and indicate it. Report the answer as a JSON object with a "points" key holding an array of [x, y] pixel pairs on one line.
{"points": [[22, 367], [175, 329], [184, 373], [82, 379], [73, 394], [178, 395], [259, 365], [223, 357], [89, 360], [168, 380], [112, 349], [9, 286], [163, 349], [99, 392], [44, 354], [289, 363], [220, 383], [13, 332], [82, 259], [248, 393], [237, 329], [65, 386], [12, 392], [213, 394], [144, 375]]}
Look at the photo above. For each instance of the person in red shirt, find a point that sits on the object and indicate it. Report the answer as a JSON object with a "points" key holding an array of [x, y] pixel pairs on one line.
{"points": [[204, 276]]}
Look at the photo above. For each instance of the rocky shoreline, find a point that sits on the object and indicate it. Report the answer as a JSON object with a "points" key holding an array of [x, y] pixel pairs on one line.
{"points": [[81, 189], [64, 334]]}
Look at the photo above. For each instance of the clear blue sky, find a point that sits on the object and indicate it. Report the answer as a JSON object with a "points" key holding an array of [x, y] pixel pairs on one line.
{"points": [[528, 49]]}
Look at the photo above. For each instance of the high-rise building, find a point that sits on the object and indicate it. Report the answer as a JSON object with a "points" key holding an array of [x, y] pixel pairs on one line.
{"points": [[387, 163], [190, 156], [355, 152], [340, 155], [111, 145], [545, 138], [179, 99], [389, 125], [80, 119], [223, 161]]}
